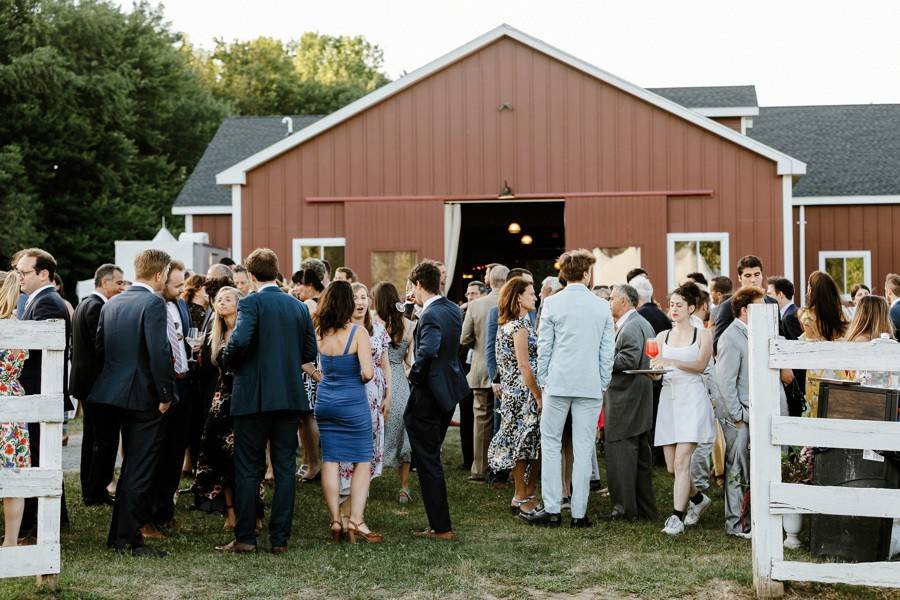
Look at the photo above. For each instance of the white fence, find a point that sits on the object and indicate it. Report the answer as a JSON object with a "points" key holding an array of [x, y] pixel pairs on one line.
{"points": [[44, 482], [770, 498]]}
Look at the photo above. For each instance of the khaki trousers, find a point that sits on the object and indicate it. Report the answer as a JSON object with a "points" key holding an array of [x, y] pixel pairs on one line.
{"points": [[483, 407]]}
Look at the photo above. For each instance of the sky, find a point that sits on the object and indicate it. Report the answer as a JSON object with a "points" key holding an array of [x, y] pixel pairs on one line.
{"points": [[796, 52]]}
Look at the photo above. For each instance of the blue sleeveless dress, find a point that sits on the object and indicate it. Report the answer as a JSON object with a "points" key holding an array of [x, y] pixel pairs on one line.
{"points": [[342, 409]]}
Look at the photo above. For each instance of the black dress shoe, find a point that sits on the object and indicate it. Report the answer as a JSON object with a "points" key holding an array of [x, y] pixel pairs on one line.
{"points": [[582, 523], [541, 517]]}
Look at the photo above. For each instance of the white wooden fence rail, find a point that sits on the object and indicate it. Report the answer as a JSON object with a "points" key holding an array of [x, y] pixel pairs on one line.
{"points": [[770, 497], [44, 482]]}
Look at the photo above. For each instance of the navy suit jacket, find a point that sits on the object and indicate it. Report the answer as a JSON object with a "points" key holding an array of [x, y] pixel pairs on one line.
{"points": [[272, 339], [436, 368], [47, 305], [792, 327], [138, 373], [895, 319]]}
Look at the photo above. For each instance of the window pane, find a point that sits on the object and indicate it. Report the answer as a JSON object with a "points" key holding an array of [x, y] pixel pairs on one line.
{"points": [[854, 271], [835, 268], [710, 263], [613, 264], [335, 256], [393, 266], [685, 260], [310, 252]]}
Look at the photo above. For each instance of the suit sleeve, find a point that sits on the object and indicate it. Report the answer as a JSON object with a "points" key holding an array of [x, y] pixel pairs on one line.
{"points": [[490, 341], [426, 349], [99, 345], [159, 350], [723, 319], [468, 330], [245, 329], [546, 335], [607, 353], [792, 328], [728, 366], [630, 351], [309, 350]]}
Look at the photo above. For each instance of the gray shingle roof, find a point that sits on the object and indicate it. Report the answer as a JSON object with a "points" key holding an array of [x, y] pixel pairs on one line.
{"points": [[236, 139], [851, 150], [722, 96]]}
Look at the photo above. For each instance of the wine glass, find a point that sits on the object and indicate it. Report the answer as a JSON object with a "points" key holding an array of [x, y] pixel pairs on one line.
{"points": [[195, 340], [651, 349]]}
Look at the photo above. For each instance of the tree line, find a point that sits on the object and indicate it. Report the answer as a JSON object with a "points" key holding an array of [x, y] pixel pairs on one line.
{"points": [[104, 113]]}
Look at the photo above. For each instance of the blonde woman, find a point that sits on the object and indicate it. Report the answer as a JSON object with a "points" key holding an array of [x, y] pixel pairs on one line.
{"points": [[15, 452], [214, 483], [872, 324]]}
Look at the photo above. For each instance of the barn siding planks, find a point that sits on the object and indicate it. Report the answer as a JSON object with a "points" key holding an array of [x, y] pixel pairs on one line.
{"points": [[566, 133], [217, 226]]}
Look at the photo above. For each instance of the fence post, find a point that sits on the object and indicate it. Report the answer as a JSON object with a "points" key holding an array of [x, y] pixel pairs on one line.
{"points": [[48, 517], [765, 459]]}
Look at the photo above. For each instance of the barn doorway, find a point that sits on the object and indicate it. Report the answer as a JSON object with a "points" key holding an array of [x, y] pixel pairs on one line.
{"points": [[529, 235]]}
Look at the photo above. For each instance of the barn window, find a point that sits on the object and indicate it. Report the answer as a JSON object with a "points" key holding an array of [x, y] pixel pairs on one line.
{"points": [[705, 253], [330, 249], [393, 266], [613, 264], [847, 267]]}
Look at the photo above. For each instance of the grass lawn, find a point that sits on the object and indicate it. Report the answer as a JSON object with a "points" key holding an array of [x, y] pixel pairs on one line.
{"points": [[496, 555]]}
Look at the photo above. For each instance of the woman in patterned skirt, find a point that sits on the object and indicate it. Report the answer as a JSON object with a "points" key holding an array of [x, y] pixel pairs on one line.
{"points": [[516, 446], [15, 452]]}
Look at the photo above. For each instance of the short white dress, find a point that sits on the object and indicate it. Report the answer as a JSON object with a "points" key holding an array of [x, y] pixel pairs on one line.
{"points": [[685, 411]]}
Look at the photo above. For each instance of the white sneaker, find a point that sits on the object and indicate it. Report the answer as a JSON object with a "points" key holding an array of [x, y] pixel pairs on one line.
{"points": [[674, 526], [741, 534], [695, 510]]}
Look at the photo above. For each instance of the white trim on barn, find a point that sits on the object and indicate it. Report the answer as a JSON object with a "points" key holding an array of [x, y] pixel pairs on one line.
{"points": [[844, 200], [787, 226], [189, 223], [236, 252], [201, 210], [728, 111], [237, 174]]}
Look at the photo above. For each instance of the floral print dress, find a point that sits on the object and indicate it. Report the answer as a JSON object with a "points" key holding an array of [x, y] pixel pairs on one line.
{"points": [[375, 390], [15, 452], [519, 437]]}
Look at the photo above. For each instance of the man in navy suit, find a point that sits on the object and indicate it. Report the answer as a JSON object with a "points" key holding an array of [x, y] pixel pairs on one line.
{"points": [[892, 294], [100, 441], [437, 385], [176, 421], [782, 290], [36, 269], [272, 339], [138, 382]]}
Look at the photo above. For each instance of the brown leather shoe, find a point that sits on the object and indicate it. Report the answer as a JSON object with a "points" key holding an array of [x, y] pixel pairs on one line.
{"points": [[236, 547], [151, 532], [447, 536], [425, 533], [173, 525], [279, 549]]}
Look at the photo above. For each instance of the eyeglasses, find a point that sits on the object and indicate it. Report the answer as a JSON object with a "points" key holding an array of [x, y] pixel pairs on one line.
{"points": [[22, 274]]}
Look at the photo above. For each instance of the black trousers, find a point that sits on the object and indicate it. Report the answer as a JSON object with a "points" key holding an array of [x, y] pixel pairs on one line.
{"points": [[426, 425], [175, 428], [251, 432], [141, 440], [29, 514], [99, 446], [466, 429], [629, 469]]}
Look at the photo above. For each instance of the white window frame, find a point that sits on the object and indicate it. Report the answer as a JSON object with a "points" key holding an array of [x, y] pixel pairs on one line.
{"points": [[866, 255], [321, 242], [713, 236]]}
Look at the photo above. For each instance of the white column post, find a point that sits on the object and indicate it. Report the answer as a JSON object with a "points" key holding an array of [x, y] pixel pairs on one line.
{"points": [[787, 224], [765, 459], [48, 515], [236, 251]]}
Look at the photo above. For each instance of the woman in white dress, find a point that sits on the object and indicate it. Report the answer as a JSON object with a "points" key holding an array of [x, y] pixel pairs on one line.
{"points": [[685, 416]]}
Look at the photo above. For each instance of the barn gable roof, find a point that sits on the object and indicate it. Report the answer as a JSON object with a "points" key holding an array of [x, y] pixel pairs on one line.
{"points": [[714, 101], [236, 139], [236, 174]]}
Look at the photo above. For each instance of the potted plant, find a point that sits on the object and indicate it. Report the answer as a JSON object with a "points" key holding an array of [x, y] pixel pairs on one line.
{"points": [[796, 467]]}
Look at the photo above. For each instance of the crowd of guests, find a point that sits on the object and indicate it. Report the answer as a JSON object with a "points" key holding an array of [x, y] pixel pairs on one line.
{"points": [[222, 376]]}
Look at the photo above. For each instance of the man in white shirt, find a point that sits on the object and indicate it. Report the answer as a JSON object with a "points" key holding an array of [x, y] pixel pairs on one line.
{"points": [[177, 419]]}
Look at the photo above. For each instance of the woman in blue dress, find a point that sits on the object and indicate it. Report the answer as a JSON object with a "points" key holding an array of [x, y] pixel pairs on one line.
{"points": [[342, 408]]}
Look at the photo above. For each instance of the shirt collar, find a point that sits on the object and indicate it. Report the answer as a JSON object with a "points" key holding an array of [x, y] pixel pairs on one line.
{"points": [[428, 302], [785, 308], [101, 296], [267, 285], [36, 293], [624, 318], [741, 324], [143, 285], [896, 300]]}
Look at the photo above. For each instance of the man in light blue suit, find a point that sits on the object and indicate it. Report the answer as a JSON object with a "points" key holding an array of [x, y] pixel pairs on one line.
{"points": [[576, 343]]}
